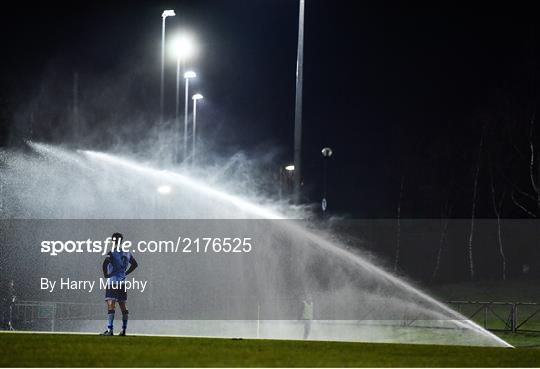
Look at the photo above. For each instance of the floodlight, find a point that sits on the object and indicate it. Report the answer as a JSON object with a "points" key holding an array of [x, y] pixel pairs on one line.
{"points": [[168, 13]]}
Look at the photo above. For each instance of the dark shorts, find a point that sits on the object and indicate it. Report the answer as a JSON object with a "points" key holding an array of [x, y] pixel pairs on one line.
{"points": [[119, 295]]}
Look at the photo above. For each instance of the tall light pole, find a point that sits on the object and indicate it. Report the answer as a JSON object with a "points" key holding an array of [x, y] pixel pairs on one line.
{"points": [[298, 105], [176, 109], [183, 48], [326, 153], [76, 106], [195, 98], [187, 77], [286, 175], [166, 13]]}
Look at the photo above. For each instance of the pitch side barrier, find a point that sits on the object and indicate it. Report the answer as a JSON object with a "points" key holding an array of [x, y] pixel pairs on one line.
{"points": [[492, 315], [45, 315], [501, 316], [49, 316]]}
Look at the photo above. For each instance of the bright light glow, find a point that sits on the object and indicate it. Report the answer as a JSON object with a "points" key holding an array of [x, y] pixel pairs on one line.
{"points": [[183, 47], [168, 13], [164, 189], [190, 74], [290, 168], [197, 97]]}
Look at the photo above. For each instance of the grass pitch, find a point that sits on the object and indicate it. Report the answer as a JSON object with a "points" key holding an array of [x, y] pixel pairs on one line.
{"points": [[73, 350]]}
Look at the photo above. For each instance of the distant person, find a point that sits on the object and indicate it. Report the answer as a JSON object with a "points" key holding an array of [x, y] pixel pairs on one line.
{"points": [[12, 299], [307, 315], [115, 269], [4, 305], [526, 269]]}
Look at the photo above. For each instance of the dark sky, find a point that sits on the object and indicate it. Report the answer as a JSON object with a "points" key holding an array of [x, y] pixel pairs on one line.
{"points": [[396, 90]]}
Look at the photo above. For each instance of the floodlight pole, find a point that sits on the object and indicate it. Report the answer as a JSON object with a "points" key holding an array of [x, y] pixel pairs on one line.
{"points": [[195, 98], [186, 112], [194, 129], [164, 15], [177, 110], [162, 89], [298, 106], [326, 153], [76, 106]]}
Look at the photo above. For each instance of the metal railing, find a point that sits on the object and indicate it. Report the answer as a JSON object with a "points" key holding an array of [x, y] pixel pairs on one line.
{"points": [[492, 315], [46, 314], [501, 316]]}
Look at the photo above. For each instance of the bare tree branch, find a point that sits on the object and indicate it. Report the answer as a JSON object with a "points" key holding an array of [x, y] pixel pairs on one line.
{"points": [[398, 242], [514, 185], [445, 215], [531, 164], [497, 206], [519, 152], [475, 195], [524, 193], [517, 203]]}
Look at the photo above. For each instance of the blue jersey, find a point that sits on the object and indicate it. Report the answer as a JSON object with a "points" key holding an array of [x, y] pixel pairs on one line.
{"points": [[118, 265]]}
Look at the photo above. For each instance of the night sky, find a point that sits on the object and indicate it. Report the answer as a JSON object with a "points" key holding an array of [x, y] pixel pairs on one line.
{"points": [[398, 92]]}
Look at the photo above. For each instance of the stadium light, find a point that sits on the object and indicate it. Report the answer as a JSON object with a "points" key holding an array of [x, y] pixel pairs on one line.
{"points": [[168, 13], [183, 47], [289, 168], [327, 152]]}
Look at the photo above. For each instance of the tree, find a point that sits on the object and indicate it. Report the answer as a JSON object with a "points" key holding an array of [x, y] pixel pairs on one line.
{"points": [[398, 241], [446, 213], [475, 197], [497, 209], [529, 201]]}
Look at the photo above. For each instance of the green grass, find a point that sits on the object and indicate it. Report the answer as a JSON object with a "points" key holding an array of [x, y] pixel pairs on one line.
{"points": [[27, 349], [53, 350], [521, 339]]}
